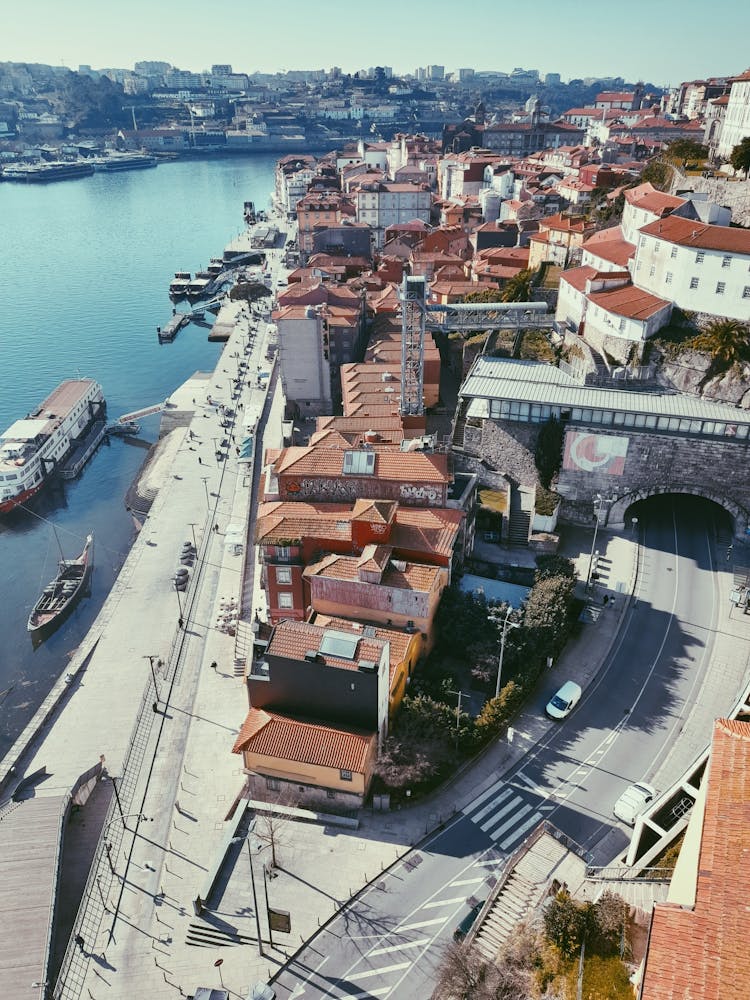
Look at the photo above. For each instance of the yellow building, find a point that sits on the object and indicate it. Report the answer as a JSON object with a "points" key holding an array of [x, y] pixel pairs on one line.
{"points": [[307, 764]]}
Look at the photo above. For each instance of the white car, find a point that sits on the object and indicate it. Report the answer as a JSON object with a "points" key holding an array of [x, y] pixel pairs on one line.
{"points": [[261, 992], [562, 704], [633, 801]]}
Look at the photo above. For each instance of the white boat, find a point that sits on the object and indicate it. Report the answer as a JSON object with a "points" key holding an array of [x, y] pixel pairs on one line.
{"points": [[33, 448]]}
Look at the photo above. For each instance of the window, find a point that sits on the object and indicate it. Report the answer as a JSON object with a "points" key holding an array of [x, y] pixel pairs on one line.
{"points": [[693, 282], [726, 260], [283, 574], [345, 775], [720, 287], [652, 271], [668, 279], [700, 257], [330, 794], [746, 292], [285, 600], [359, 463], [273, 784], [673, 253]]}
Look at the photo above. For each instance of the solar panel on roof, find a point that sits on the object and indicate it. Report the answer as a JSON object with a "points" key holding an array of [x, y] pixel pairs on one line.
{"points": [[342, 644]]}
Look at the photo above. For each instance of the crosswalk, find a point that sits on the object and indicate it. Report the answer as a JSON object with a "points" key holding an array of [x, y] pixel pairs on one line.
{"points": [[507, 813], [381, 970]]}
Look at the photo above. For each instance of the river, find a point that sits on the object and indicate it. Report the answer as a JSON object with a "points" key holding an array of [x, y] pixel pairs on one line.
{"points": [[84, 269]]}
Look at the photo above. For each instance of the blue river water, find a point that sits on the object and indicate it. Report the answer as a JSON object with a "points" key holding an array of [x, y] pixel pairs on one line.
{"points": [[84, 270]]}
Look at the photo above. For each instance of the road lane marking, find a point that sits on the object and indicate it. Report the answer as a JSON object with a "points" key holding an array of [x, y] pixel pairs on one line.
{"points": [[510, 822], [531, 821], [418, 926], [443, 902], [379, 972], [490, 863], [532, 786], [515, 801], [468, 881], [299, 988], [488, 808], [378, 991], [480, 798], [399, 947]]}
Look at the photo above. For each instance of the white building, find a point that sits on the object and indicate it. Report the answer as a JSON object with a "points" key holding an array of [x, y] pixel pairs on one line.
{"points": [[608, 310], [700, 267], [736, 126], [381, 204]]}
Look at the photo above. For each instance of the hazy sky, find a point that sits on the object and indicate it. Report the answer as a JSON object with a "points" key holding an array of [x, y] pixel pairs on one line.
{"points": [[662, 41]]}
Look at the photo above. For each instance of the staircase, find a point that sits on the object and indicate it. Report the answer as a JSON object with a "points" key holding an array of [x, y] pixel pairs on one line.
{"points": [[521, 514], [524, 888]]}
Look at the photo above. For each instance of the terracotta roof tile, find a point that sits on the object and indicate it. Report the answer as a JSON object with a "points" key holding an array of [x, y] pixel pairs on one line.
{"points": [[273, 735], [701, 952], [292, 639], [646, 196], [689, 233]]}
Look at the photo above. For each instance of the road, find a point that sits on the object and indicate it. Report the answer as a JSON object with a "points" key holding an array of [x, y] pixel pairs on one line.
{"points": [[388, 942]]}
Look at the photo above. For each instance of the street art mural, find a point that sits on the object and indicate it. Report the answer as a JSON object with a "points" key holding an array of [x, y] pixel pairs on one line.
{"points": [[585, 452]]}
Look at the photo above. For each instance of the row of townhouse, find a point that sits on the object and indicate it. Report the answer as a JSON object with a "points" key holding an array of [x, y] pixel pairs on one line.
{"points": [[358, 531]]}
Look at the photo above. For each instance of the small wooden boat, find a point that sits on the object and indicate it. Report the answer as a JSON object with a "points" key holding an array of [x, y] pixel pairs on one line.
{"points": [[61, 595]]}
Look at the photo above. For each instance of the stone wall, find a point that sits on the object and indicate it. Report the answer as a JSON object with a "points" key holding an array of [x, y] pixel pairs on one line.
{"points": [[663, 463], [504, 446]]}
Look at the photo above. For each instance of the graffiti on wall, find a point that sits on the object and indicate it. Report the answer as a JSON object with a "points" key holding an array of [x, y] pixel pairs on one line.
{"points": [[585, 452]]}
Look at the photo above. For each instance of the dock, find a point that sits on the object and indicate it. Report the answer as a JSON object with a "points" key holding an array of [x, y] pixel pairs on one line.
{"points": [[167, 333], [83, 450]]}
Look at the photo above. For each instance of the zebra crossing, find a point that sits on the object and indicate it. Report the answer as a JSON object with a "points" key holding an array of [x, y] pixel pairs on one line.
{"points": [[507, 813]]}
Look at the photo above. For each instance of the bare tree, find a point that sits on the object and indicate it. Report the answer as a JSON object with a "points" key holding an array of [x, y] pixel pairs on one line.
{"points": [[464, 974]]}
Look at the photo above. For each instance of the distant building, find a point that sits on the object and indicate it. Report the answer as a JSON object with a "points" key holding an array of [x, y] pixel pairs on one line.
{"points": [[736, 126]]}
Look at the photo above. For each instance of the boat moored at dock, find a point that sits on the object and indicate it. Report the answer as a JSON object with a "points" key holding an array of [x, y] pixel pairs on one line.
{"points": [[178, 286], [33, 449], [38, 173], [62, 594], [126, 161], [197, 287]]}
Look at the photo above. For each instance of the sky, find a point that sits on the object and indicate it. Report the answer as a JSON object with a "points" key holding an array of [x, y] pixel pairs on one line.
{"points": [[660, 41]]}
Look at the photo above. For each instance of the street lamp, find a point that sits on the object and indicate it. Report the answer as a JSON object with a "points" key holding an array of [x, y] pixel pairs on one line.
{"points": [[151, 657], [598, 501], [238, 840], [204, 479], [507, 623]]}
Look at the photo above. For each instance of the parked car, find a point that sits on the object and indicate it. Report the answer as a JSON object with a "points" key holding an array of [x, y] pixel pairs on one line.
{"points": [[261, 992], [468, 922], [562, 704], [633, 801]]}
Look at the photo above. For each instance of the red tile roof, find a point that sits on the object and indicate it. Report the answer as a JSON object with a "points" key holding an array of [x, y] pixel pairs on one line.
{"points": [[609, 245], [646, 196], [273, 735], [630, 302], [700, 953], [415, 576], [689, 233], [292, 639]]}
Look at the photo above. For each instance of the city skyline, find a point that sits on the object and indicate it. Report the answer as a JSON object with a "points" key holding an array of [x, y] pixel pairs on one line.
{"points": [[655, 43]]}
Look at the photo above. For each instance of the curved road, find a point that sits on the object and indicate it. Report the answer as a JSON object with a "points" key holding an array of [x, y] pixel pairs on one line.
{"points": [[388, 942]]}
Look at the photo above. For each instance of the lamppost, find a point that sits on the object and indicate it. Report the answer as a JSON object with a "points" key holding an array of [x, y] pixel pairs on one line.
{"points": [[598, 501], [507, 623], [204, 479], [151, 657]]}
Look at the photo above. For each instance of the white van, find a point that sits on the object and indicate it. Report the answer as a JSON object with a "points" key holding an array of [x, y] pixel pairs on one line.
{"points": [[562, 704]]}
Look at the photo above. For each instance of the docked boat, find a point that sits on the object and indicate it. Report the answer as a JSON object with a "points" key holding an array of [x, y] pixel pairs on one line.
{"points": [[178, 286], [126, 161], [38, 173], [32, 449], [199, 284], [123, 428], [63, 593]]}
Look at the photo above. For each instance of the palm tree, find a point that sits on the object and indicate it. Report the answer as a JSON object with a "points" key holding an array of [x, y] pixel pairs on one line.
{"points": [[726, 340]]}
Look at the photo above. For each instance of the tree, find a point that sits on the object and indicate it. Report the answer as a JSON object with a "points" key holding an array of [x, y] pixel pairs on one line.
{"points": [[249, 291], [554, 565], [497, 711], [686, 149], [566, 923], [658, 173], [518, 288], [726, 340], [548, 451], [464, 974], [610, 915], [486, 295], [740, 156]]}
